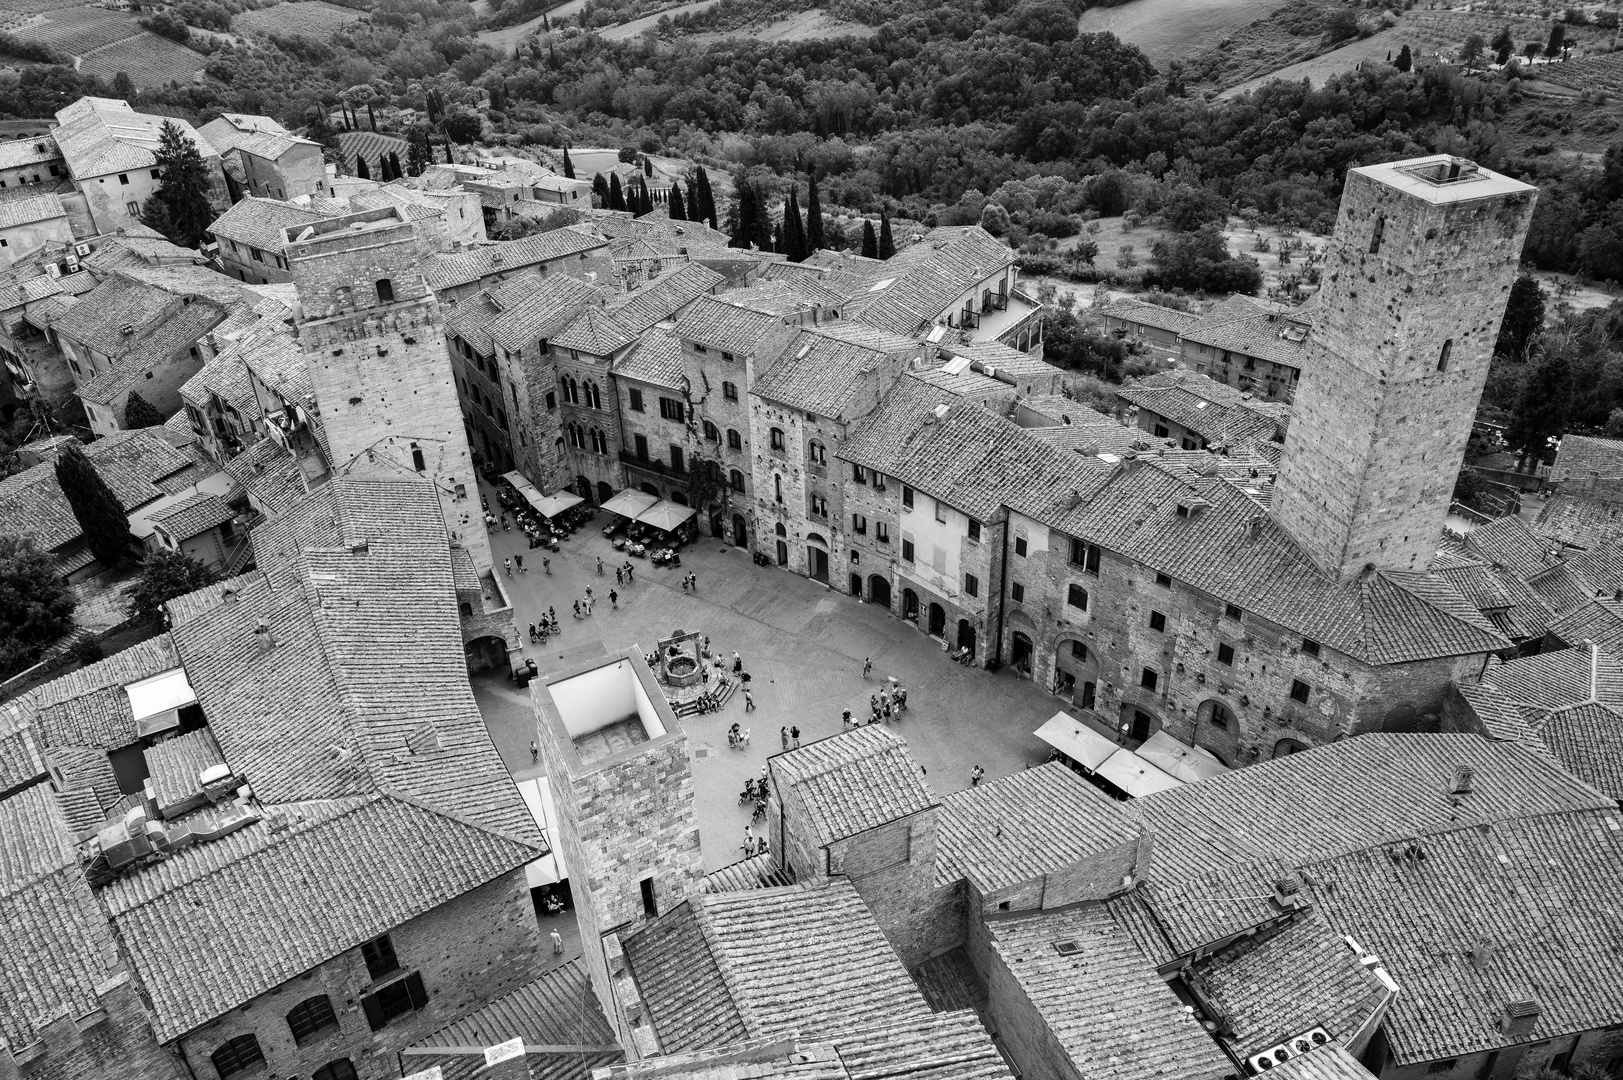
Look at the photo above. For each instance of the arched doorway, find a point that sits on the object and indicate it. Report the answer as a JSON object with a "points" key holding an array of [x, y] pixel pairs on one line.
{"points": [[1138, 724], [1020, 652], [856, 586], [1075, 672], [1217, 729], [783, 553], [583, 488], [910, 605], [718, 528], [605, 492], [879, 590], [938, 621], [816, 558], [1287, 747], [650, 489], [680, 498], [966, 637], [484, 653], [1402, 717], [740, 533]]}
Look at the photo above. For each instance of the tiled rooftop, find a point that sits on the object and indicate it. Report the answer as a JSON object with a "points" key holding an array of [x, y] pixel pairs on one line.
{"points": [[445, 271], [656, 359], [1146, 314], [823, 370], [853, 781], [24, 207], [1585, 457], [663, 297], [100, 136], [261, 223]]}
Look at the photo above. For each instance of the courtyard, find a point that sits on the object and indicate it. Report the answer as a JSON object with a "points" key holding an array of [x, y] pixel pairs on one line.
{"points": [[803, 646]]}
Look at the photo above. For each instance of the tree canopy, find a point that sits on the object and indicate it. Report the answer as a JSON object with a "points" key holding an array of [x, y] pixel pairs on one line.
{"points": [[36, 606], [101, 517], [166, 575], [183, 186]]}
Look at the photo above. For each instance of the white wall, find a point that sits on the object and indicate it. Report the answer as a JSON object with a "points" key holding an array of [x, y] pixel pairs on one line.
{"points": [[937, 546], [595, 699]]}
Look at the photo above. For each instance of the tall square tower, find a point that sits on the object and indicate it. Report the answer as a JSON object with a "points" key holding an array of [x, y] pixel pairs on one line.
{"points": [[1415, 283], [370, 329]]}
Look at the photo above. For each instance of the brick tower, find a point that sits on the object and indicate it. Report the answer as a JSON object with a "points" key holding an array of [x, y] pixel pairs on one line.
{"points": [[371, 330], [1415, 284]]}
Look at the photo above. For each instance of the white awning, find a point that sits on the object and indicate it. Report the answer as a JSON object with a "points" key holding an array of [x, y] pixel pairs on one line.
{"points": [[552, 505], [629, 503], [1076, 740], [1179, 759], [1135, 776], [549, 868], [156, 702], [522, 484], [665, 515]]}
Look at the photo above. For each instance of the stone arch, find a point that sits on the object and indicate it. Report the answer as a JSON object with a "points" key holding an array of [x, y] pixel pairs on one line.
{"points": [[1217, 729], [1075, 676], [1287, 747], [1402, 717]]}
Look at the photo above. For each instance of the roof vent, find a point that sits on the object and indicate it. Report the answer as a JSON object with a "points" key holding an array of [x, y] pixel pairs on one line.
{"points": [[1517, 1021], [264, 638], [1067, 948], [941, 411], [127, 328], [228, 595], [1464, 779]]}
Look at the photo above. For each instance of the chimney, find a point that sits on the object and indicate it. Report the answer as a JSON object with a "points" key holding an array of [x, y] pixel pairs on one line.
{"points": [[1254, 532], [506, 1061], [264, 638], [228, 596], [1461, 786], [1517, 1021]]}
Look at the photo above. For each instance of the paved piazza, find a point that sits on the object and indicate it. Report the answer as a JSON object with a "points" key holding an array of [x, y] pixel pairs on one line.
{"points": [[803, 646]]}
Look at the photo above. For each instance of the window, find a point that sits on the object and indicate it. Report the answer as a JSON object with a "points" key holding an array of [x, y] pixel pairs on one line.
{"points": [[729, 391], [907, 496], [380, 958], [859, 524], [501, 418], [650, 906], [736, 478], [1158, 622], [700, 349], [974, 530], [394, 1000], [1161, 431], [1149, 678], [941, 512], [777, 439], [1231, 611], [600, 442], [1310, 647], [1377, 233], [417, 461], [552, 400], [1300, 691], [124, 179], [1077, 597], [1020, 546], [335, 1070], [819, 506], [310, 1018], [817, 454], [577, 437], [1086, 556], [385, 289], [1446, 1065], [671, 409], [1079, 651], [727, 356], [636, 399], [238, 1055], [572, 393], [1163, 580], [594, 397], [134, 209], [676, 458], [641, 443], [712, 432], [907, 550], [1225, 654], [1442, 358], [881, 532], [777, 487], [157, 174], [735, 441], [858, 475]]}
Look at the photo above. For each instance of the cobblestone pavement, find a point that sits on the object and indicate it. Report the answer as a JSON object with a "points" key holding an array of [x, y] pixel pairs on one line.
{"points": [[803, 646]]}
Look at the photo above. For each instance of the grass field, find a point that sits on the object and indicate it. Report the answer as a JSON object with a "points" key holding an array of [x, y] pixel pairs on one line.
{"points": [[310, 18], [1174, 29]]}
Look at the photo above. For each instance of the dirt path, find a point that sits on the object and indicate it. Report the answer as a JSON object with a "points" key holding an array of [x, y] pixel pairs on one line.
{"points": [[1336, 62], [1169, 29]]}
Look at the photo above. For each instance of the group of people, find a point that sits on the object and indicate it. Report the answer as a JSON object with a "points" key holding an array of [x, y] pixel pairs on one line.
{"points": [[753, 844], [546, 627], [690, 582]]}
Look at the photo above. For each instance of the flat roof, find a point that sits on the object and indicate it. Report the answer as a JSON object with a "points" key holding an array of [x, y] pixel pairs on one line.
{"points": [[1443, 178]]}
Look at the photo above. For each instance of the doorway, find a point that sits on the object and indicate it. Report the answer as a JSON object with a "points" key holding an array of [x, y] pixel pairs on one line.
{"points": [[1020, 653], [817, 564], [740, 533], [966, 637], [910, 605], [879, 590], [938, 621], [783, 553], [856, 586]]}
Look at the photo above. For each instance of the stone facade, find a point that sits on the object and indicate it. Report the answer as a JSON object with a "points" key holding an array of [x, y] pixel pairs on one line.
{"points": [[113, 1043], [372, 333], [587, 421], [298, 171], [468, 952], [1415, 282]]}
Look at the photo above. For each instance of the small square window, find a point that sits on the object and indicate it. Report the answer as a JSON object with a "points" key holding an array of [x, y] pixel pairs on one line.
{"points": [[1149, 679], [907, 496], [636, 400], [124, 179], [907, 550], [380, 957], [1079, 651], [1310, 647], [1163, 580], [1225, 654], [1231, 611], [1158, 622], [1299, 691], [1020, 546], [972, 586], [974, 530], [941, 512], [1077, 597]]}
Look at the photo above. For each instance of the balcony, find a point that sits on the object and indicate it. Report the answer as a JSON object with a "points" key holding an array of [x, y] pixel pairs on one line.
{"points": [[1000, 319], [969, 319]]}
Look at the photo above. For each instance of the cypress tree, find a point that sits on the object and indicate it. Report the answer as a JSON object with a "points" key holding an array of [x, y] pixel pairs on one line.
{"points": [[794, 230], [887, 246], [705, 208], [418, 155], [361, 169], [678, 211], [102, 519], [140, 413], [777, 238], [450, 158], [617, 198], [394, 166], [743, 236], [694, 203], [763, 220], [647, 165], [370, 117], [183, 184], [600, 188], [569, 166], [870, 243], [814, 217]]}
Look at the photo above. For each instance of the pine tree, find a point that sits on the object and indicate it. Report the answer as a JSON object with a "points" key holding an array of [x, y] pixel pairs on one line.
{"points": [[166, 575], [155, 216], [183, 184], [814, 217], [678, 211], [887, 245], [569, 166], [705, 208], [870, 243], [123, 85], [101, 517], [140, 413], [743, 235], [1405, 59], [794, 230], [394, 166], [763, 233], [361, 169], [1541, 415], [617, 198], [417, 155]]}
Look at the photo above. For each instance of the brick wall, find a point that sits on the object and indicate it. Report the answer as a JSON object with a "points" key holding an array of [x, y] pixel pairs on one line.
{"points": [[881, 508], [604, 468], [299, 171], [893, 870], [470, 951], [114, 1044]]}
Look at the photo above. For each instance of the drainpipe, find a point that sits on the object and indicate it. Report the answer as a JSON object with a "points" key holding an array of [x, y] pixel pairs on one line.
{"points": [[1003, 593]]}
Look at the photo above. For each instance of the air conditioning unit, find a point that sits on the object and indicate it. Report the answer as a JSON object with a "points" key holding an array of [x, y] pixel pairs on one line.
{"points": [[53, 270], [74, 268], [277, 436], [1295, 1046], [81, 250], [72, 259]]}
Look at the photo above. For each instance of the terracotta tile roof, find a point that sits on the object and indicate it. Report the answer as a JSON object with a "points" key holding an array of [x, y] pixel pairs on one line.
{"points": [[663, 297], [717, 323], [726, 966], [131, 462], [1026, 825], [191, 516], [824, 370], [1143, 313], [1566, 705], [534, 309], [965, 384], [595, 332], [941, 1046], [1509, 543], [269, 474], [25, 207], [557, 1009], [665, 236], [1582, 457], [100, 136], [231, 897], [119, 302], [656, 359], [854, 781], [174, 336], [1092, 997], [225, 376], [1600, 621], [1215, 412], [1279, 338], [755, 872], [257, 135], [101, 718], [118, 252], [1588, 740], [21, 749], [86, 768], [1493, 916], [1575, 521], [1328, 1062], [924, 279], [1561, 587], [261, 223], [1348, 796], [445, 271], [56, 947], [1272, 988], [35, 150], [174, 764], [1599, 569]]}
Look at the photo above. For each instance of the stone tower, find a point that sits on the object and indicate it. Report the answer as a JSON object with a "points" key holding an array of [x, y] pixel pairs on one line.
{"points": [[371, 331], [1415, 283]]}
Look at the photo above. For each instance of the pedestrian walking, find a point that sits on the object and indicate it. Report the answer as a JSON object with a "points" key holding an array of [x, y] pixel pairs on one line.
{"points": [[749, 703], [794, 733], [745, 736], [552, 615], [614, 600], [630, 574], [588, 592], [520, 560], [588, 601], [867, 666], [761, 845], [975, 775], [508, 563], [557, 943], [600, 566], [749, 840], [901, 698], [532, 631], [535, 751], [884, 710], [693, 581], [577, 609], [845, 721], [546, 564], [784, 732], [619, 576], [738, 663]]}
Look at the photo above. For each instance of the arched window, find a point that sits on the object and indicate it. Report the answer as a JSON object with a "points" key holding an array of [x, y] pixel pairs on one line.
{"points": [[819, 456], [571, 390], [577, 437], [712, 469], [594, 400], [777, 438], [335, 1070], [780, 530], [712, 432], [600, 442], [736, 478], [1077, 597], [385, 291], [238, 1055], [729, 391], [1442, 357], [735, 441], [777, 486], [417, 461], [311, 1018]]}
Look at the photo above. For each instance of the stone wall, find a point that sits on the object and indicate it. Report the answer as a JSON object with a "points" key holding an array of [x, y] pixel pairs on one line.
{"points": [[115, 1043], [893, 869], [299, 171], [23, 240]]}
